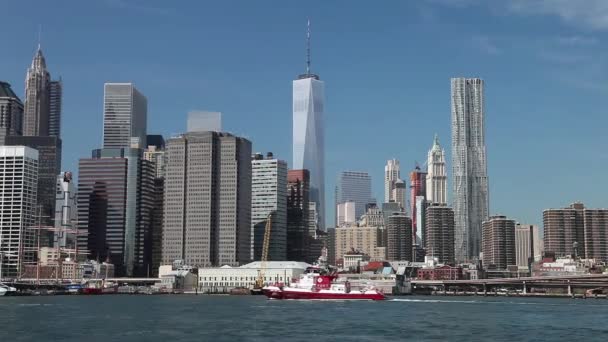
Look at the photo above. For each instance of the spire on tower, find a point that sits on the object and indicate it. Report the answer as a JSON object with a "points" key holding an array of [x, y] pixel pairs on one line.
{"points": [[308, 48], [39, 35]]}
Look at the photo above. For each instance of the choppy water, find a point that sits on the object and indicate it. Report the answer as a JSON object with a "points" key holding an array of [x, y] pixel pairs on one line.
{"points": [[248, 318]]}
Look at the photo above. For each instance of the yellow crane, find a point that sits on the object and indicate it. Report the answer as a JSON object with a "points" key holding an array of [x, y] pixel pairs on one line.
{"points": [[260, 282]]}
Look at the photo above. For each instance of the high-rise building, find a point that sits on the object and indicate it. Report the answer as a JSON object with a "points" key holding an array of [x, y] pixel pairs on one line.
{"points": [[576, 231], [18, 176], [373, 217], [155, 153], [367, 240], [527, 245], [469, 169], [354, 186], [207, 209], [498, 236], [391, 175], [36, 113], [115, 202], [399, 193], [308, 134], [49, 166], [202, 121], [55, 102], [417, 196], [268, 197], [345, 214], [11, 112], [125, 112], [439, 233], [66, 211], [436, 178], [298, 237], [399, 237], [313, 217]]}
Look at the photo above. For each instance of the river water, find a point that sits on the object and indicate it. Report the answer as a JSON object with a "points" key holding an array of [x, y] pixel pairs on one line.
{"points": [[254, 318]]}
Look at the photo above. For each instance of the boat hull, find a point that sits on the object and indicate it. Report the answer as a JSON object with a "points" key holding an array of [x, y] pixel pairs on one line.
{"points": [[311, 295]]}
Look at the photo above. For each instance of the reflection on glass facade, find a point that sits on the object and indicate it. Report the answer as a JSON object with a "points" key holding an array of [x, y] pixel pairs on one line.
{"points": [[470, 186], [125, 112], [308, 137]]}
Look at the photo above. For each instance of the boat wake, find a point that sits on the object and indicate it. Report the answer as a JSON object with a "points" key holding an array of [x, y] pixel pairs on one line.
{"points": [[480, 302]]}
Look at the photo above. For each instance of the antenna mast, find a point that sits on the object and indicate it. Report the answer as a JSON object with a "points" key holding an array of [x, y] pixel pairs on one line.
{"points": [[308, 48]]}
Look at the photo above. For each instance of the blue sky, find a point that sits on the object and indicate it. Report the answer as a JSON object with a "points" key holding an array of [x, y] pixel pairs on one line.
{"points": [[386, 66]]}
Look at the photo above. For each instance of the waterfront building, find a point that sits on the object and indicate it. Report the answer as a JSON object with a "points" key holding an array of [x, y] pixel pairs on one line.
{"points": [[18, 176], [399, 237], [308, 133], [391, 175], [115, 203], [66, 211], [203, 121], [417, 189], [576, 231], [11, 112], [36, 109], [125, 112], [366, 239], [527, 245], [207, 204], [298, 186], [469, 168], [436, 178], [55, 104], [444, 272], [225, 278], [49, 166], [354, 186], [268, 197], [345, 214], [155, 153], [498, 236], [439, 233]]}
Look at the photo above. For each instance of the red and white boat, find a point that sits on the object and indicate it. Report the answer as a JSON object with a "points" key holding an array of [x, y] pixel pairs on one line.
{"points": [[314, 285]]}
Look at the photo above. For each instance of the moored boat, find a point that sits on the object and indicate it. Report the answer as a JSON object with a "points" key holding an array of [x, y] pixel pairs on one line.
{"points": [[315, 284], [6, 290]]}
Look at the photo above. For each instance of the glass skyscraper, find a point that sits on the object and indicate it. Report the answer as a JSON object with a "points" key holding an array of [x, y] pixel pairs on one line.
{"points": [[470, 186], [125, 112], [355, 187]]}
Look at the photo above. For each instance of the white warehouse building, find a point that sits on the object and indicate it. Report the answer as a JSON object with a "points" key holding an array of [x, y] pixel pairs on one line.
{"points": [[225, 278]]}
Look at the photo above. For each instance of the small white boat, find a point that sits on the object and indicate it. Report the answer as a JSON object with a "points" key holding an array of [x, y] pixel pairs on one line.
{"points": [[7, 290]]}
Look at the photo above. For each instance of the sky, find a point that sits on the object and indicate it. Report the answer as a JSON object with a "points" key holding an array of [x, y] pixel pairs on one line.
{"points": [[386, 66]]}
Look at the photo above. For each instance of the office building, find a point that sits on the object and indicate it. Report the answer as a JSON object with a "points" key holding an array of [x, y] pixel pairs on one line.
{"points": [[125, 112], [207, 209], [354, 186], [391, 175], [36, 109], [399, 193], [55, 103], [11, 112], [498, 238], [66, 212], [373, 217], [18, 176], [596, 234], [346, 214], [49, 164], [527, 245], [313, 218], [469, 169], [308, 134], [439, 233], [298, 237], [436, 178], [202, 121], [155, 153], [417, 197], [115, 202], [367, 240], [268, 197], [399, 237]]}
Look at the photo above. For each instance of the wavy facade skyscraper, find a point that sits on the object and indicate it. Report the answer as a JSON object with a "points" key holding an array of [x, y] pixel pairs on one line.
{"points": [[308, 134], [470, 185]]}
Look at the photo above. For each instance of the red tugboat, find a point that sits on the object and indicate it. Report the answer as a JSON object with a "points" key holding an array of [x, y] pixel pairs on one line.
{"points": [[316, 284]]}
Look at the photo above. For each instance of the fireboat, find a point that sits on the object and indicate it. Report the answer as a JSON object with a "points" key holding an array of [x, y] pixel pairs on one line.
{"points": [[318, 284]]}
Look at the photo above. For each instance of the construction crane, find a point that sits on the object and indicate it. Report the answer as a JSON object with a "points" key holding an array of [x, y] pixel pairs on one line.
{"points": [[259, 283]]}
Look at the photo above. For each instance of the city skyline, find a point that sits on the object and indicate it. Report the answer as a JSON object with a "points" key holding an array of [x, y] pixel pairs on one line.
{"points": [[86, 103]]}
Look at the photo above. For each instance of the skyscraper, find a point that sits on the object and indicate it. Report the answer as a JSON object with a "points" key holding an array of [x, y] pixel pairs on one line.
{"points": [[345, 214], [66, 211], [391, 175], [207, 209], [417, 202], [308, 133], [439, 233], [399, 237], [125, 112], [298, 237], [155, 153], [354, 186], [55, 102], [498, 236], [399, 193], [36, 114], [18, 176], [436, 178], [268, 196], [11, 112], [470, 185], [527, 244]]}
